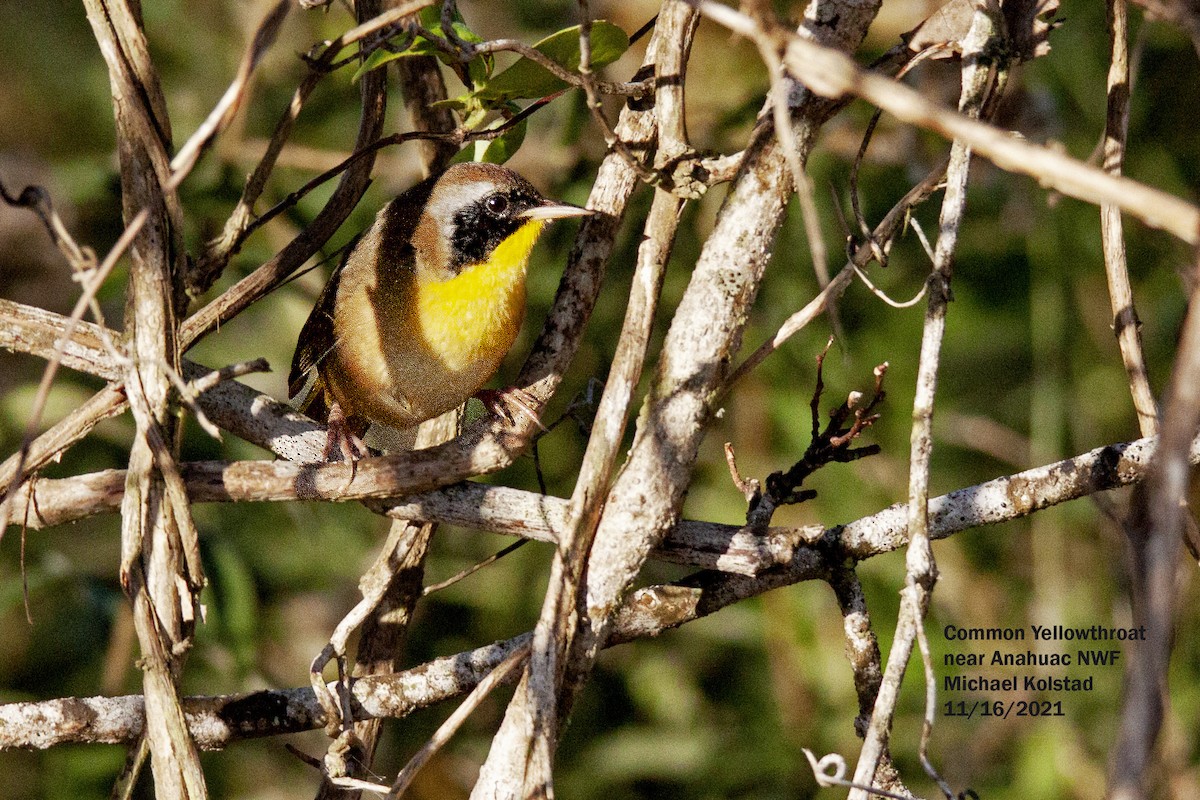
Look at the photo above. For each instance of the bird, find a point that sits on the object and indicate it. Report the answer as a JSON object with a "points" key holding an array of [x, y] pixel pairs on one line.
{"points": [[423, 306]]}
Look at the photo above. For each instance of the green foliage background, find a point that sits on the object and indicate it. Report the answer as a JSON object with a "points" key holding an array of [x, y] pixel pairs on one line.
{"points": [[721, 708]]}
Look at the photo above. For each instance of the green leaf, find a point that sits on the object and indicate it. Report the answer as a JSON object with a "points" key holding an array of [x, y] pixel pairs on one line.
{"points": [[527, 79], [454, 104], [476, 114], [421, 46], [503, 147], [462, 31], [431, 17], [381, 56], [479, 69], [498, 150], [495, 151]]}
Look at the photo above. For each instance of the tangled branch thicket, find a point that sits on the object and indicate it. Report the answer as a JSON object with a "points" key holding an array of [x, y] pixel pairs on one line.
{"points": [[676, 377]]}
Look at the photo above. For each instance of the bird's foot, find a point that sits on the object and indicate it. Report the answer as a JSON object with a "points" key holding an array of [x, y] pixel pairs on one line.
{"points": [[506, 403], [343, 442]]}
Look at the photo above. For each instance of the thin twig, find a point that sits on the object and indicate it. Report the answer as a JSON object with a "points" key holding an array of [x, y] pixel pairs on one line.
{"points": [[1126, 324], [882, 295], [503, 672], [930, 714], [1159, 518], [231, 101], [920, 568], [37, 199], [471, 570], [884, 232], [635, 89], [350, 188], [830, 771], [781, 91], [591, 88]]}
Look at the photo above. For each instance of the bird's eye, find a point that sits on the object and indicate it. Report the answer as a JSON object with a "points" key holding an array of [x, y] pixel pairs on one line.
{"points": [[496, 204]]}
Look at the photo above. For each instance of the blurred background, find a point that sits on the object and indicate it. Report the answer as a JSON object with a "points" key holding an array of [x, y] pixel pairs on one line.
{"points": [[722, 707]]}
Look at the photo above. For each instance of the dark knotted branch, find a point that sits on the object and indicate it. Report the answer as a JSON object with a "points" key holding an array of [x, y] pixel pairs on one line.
{"points": [[831, 445], [826, 446]]}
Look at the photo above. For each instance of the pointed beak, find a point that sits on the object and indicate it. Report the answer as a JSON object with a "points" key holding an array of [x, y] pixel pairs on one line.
{"points": [[552, 210]]}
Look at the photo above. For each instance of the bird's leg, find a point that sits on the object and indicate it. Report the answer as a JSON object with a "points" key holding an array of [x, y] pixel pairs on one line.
{"points": [[504, 402], [344, 439]]}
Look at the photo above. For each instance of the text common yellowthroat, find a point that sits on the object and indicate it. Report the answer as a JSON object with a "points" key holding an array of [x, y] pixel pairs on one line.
{"points": [[425, 304]]}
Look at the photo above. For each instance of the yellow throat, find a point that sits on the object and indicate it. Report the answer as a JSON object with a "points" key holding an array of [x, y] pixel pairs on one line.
{"points": [[477, 313]]}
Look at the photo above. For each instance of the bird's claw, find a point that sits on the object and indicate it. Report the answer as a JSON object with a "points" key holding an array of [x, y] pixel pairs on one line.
{"points": [[504, 402], [342, 443]]}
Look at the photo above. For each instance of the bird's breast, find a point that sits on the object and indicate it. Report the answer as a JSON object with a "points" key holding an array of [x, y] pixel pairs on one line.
{"points": [[409, 348], [475, 316]]}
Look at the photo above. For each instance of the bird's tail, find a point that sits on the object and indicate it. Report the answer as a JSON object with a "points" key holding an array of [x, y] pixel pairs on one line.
{"points": [[315, 404]]}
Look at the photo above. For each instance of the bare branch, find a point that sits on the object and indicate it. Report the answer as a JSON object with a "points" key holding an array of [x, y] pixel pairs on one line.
{"points": [[884, 233], [160, 567], [37, 199], [505, 671], [635, 90], [26, 460], [217, 721], [513, 512], [547, 666], [255, 417], [353, 183], [393, 584], [707, 327]]}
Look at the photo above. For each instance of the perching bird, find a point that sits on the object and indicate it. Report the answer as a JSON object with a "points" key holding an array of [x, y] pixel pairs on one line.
{"points": [[424, 306]]}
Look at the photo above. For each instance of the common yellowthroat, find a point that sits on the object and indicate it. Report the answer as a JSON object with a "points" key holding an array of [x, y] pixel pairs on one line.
{"points": [[424, 305]]}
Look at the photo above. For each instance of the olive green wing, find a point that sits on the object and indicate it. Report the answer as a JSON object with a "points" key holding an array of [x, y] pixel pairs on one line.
{"points": [[391, 233]]}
